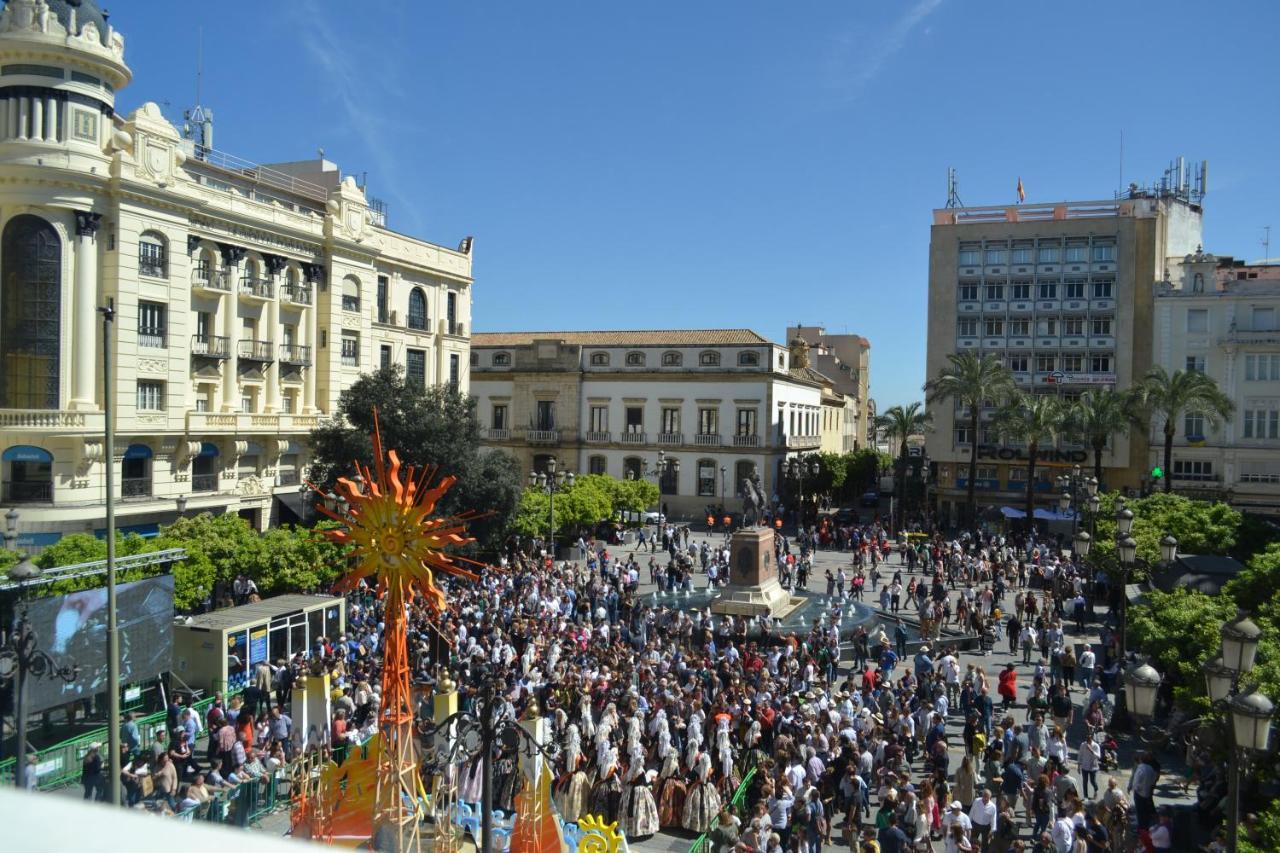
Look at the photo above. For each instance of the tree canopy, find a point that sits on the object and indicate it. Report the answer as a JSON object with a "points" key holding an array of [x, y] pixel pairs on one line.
{"points": [[425, 426], [591, 499], [1200, 527]]}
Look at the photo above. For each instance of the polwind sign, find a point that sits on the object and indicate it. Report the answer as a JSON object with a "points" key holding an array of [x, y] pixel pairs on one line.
{"points": [[1019, 454]]}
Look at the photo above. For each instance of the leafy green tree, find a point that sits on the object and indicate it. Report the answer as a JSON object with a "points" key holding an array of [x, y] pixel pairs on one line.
{"points": [[862, 468], [832, 473], [968, 381], [578, 507], [1172, 395], [1097, 416], [627, 496], [1034, 420], [425, 426], [1200, 527], [898, 424], [1179, 631]]}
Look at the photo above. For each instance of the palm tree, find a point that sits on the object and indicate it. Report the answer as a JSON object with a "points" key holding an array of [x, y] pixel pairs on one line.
{"points": [[1098, 415], [967, 381], [900, 422], [1034, 420], [1172, 395]]}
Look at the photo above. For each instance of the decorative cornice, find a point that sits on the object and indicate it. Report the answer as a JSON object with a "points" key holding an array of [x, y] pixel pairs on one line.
{"points": [[87, 223]]}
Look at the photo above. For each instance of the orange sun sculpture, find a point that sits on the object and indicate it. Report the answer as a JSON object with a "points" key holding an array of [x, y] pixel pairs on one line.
{"points": [[393, 537]]}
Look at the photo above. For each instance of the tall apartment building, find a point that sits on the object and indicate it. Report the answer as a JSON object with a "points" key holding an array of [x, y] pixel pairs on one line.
{"points": [[1062, 293], [246, 297], [1222, 317], [716, 403], [846, 360]]}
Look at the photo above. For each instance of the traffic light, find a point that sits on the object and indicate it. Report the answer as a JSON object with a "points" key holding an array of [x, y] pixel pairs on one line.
{"points": [[1157, 473]]}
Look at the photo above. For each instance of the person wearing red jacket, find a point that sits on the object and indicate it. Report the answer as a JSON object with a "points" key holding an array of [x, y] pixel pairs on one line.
{"points": [[1008, 687]]}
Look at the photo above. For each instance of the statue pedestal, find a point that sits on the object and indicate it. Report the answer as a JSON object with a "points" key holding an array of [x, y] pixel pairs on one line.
{"points": [[753, 588]]}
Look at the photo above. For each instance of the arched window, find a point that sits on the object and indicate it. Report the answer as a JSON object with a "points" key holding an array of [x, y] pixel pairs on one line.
{"points": [[669, 480], [635, 359], [741, 471], [30, 314], [153, 255], [599, 359], [749, 359], [672, 359], [417, 309], [782, 361], [135, 472], [1197, 285], [597, 465], [710, 358], [501, 359], [632, 468], [351, 293], [28, 475]]}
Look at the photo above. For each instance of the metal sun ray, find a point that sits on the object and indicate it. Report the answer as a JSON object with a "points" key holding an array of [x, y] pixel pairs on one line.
{"points": [[391, 532]]}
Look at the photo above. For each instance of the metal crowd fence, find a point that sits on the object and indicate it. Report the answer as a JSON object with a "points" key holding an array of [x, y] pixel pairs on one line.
{"points": [[244, 804], [59, 765], [737, 806]]}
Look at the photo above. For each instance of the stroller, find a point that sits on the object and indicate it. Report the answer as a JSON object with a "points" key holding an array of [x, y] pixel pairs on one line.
{"points": [[1110, 750]]}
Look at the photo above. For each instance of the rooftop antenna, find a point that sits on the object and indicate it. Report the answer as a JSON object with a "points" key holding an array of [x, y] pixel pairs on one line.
{"points": [[1121, 184], [199, 62], [199, 121], [953, 189], [1266, 243]]}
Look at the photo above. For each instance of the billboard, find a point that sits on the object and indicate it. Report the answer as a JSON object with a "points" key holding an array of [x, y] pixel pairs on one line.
{"points": [[72, 629]]}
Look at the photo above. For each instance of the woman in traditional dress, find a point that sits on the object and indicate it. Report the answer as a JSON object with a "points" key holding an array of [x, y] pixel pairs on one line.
{"points": [[640, 811], [471, 782], [703, 803], [606, 794], [572, 791], [672, 791], [724, 756]]}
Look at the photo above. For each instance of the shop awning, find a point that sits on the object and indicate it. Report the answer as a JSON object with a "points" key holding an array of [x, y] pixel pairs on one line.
{"points": [[208, 448], [26, 453], [137, 451]]}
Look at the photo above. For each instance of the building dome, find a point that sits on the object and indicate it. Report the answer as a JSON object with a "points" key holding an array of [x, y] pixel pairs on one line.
{"points": [[86, 11]]}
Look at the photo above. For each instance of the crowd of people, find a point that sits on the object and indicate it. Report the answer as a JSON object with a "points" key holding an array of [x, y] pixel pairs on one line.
{"points": [[889, 740]]}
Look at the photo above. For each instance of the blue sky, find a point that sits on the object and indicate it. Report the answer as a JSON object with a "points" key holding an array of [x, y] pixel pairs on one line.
{"points": [[727, 162]]}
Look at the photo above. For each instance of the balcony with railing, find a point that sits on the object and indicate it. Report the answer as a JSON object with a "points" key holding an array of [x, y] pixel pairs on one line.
{"points": [[670, 438], [497, 434], [800, 442], [204, 278], [287, 477], [211, 346], [296, 355], [1251, 336], [707, 439], [746, 441], [258, 288], [251, 350], [299, 293], [204, 482], [135, 488], [598, 436], [542, 436], [28, 491], [351, 303], [631, 438]]}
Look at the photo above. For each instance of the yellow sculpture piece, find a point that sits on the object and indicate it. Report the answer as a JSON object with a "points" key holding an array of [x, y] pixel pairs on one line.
{"points": [[598, 836]]}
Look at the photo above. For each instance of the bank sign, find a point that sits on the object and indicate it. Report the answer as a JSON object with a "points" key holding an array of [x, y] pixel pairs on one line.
{"points": [[1019, 454], [1060, 378]]}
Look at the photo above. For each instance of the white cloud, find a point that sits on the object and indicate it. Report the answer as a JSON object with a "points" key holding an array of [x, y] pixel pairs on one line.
{"points": [[349, 84], [858, 61]]}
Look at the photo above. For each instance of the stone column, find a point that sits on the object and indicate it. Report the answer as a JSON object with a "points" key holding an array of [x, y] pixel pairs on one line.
{"points": [[50, 120], [85, 341], [232, 256], [311, 320], [275, 266]]}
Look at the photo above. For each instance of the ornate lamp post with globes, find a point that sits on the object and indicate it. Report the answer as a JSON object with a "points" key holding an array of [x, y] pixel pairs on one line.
{"points": [[551, 482]]}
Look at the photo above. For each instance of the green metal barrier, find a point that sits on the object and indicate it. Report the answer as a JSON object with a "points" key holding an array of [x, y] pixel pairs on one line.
{"points": [[59, 765], [736, 802]]}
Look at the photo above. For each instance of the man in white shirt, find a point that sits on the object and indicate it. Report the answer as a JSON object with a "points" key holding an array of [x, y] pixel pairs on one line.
{"points": [[950, 669], [955, 814], [1063, 833], [983, 816]]}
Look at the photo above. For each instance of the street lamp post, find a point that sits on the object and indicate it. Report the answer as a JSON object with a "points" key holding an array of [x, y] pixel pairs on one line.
{"points": [[1250, 712], [797, 468], [19, 658], [181, 501], [551, 482]]}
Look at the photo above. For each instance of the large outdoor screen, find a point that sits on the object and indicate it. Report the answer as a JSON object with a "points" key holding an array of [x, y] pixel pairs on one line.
{"points": [[72, 629]]}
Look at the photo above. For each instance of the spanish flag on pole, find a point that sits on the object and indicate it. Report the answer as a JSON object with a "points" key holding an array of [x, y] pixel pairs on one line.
{"points": [[1022, 195]]}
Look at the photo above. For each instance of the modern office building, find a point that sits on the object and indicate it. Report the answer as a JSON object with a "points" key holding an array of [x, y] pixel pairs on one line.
{"points": [[1062, 293], [711, 404], [245, 297], [846, 360], [1222, 317]]}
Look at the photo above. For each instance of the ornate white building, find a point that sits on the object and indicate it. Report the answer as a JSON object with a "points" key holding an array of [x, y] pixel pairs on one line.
{"points": [[713, 404], [245, 297]]}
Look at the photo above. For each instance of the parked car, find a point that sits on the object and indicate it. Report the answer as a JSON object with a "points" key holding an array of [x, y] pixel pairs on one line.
{"points": [[869, 498], [654, 517]]}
